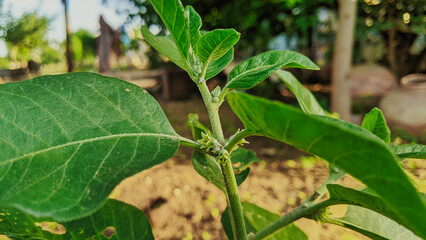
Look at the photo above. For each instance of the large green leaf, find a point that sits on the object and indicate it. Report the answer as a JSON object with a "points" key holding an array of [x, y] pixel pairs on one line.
{"points": [[304, 97], [345, 145], [208, 167], [217, 66], [166, 46], [67, 140], [256, 69], [373, 225], [409, 150], [194, 25], [173, 16], [343, 195], [376, 123], [257, 218], [126, 221], [213, 45]]}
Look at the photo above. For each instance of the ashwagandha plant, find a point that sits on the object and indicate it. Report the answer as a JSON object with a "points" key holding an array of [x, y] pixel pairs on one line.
{"points": [[67, 140]]}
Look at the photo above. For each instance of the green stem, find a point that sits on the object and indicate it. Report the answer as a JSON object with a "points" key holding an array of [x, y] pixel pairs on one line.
{"points": [[235, 206], [303, 210], [234, 233], [213, 111], [225, 162], [334, 176], [237, 138], [189, 143], [223, 94]]}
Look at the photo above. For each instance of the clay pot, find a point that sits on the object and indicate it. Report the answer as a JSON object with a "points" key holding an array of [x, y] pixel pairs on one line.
{"points": [[405, 107], [371, 80]]}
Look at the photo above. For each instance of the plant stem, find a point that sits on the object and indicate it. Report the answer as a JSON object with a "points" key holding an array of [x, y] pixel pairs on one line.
{"points": [[189, 143], [234, 202], [301, 211], [223, 94], [234, 199], [332, 178], [237, 138], [213, 111]]}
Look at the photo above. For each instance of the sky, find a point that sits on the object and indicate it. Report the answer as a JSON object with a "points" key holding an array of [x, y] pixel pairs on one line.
{"points": [[83, 14]]}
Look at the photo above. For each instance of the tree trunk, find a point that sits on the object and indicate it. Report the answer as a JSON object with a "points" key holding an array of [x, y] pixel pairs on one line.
{"points": [[392, 42], [70, 63], [342, 56]]}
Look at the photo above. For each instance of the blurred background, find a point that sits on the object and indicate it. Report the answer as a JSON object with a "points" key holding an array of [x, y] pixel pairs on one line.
{"points": [[387, 44], [381, 61]]}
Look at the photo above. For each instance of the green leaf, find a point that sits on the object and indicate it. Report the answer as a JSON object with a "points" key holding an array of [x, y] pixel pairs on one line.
{"points": [[67, 140], [244, 157], [127, 221], [376, 123], [194, 25], [213, 45], [373, 225], [173, 16], [409, 150], [217, 66], [241, 176], [257, 218], [345, 145], [304, 97], [166, 46], [209, 168], [343, 195], [196, 127], [256, 69]]}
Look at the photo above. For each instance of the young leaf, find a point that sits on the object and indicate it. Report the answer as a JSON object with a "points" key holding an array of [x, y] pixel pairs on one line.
{"points": [[304, 97], [217, 66], [209, 168], [213, 45], [345, 145], [67, 140], [376, 123], [256, 69], [17, 224], [194, 25], [196, 127], [244, 157], [166, 46], [257, 218], [409, 150], [173, 16], [373, 225]]}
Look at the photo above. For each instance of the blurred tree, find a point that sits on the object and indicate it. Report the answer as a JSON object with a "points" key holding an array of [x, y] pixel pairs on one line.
{"points": [[51, 55], [24, 35], [342, 60], [257, 20], [400, 24], [83, 46]]}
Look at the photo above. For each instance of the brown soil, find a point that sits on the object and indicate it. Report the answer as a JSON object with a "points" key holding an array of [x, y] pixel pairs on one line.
{"points": [[183, 205]]}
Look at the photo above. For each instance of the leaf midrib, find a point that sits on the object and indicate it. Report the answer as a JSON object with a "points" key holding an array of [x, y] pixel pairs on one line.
{"points": [[244, 72], [159, 135], [218, 46]]}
